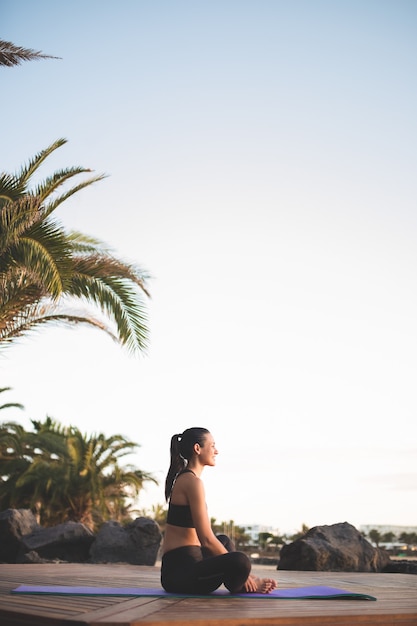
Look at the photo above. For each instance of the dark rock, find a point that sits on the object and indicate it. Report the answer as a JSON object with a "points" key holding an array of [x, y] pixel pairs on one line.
{"points": [[137, 543], [22, 540], [264, 560], [70, 541], [32, 557], [400, 566], [14, 524], [336, 548]]}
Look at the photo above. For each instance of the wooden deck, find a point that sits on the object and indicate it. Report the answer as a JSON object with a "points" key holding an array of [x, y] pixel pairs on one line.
{"points": [[396, 600]]}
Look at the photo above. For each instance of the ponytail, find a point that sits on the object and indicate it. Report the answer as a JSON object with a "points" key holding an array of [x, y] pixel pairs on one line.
{"points": [[182, 450], [177, 464]]}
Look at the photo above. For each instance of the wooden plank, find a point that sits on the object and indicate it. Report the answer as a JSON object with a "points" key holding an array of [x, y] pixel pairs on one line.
{"points": [[130, 611], [396, 605]]}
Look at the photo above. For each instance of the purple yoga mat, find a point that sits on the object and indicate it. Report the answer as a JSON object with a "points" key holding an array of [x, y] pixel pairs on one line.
{"points": [[319, 593]]}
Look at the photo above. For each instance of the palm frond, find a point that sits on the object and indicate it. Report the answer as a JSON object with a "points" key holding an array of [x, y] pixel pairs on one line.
{"points": [[62, 318], [17, 298], [8, 405], [120, 302], [16, 218], [51, 206], [83, 244], [11, 55], [40, 262], [35, 162], [100, 264], [10, 188], [33, 317]]}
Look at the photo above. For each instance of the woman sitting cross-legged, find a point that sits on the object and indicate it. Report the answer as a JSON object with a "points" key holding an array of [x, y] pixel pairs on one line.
{"points": [[194, 560]]}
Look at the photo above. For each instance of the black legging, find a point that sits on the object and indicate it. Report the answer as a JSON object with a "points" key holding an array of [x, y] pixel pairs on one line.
{"points": [[190, 570]]}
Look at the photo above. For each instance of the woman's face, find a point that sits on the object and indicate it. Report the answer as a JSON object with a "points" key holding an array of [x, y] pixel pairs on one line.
{"points": [[208, 451]]}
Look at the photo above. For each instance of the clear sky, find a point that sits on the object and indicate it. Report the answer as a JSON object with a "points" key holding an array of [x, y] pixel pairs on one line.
{"points": [[262, 167]]}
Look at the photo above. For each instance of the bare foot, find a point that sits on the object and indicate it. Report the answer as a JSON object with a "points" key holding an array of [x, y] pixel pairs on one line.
{"points": [[260, 585]]}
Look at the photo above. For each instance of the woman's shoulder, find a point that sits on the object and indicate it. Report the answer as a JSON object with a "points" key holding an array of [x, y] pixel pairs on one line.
{"points": [[188, 480], [187, 487]]}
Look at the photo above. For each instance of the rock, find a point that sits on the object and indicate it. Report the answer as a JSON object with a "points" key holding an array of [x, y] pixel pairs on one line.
{"points": [[70, 541], [32, 557], [22, 540], [336, 548], [136, 543], [400, 566], [14, 524]]}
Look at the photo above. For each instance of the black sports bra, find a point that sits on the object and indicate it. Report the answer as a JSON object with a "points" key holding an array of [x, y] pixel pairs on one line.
{"points": [[180, 514]]}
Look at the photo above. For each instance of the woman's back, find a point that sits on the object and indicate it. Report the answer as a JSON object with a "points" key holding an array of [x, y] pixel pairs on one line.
{"points": [[180, 529]]}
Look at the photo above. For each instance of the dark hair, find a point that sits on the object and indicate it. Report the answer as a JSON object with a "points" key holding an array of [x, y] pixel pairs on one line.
{"points": [[182, 449]]}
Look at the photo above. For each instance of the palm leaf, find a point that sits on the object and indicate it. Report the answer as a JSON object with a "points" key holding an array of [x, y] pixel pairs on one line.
{"points": [[120, 302], [51, 206], [40, 262], [11, 55], [11, 188], [35, 162], [38, 316]]}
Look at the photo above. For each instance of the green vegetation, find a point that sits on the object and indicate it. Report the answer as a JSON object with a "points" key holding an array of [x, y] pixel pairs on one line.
{"points": [[399, 544], [45, 273], [62, 474], [236, 533], [410, 539], [45, 269], [375, 536]]}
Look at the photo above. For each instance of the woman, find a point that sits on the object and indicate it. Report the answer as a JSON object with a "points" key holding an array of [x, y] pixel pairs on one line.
{"points": [[194, 560]]}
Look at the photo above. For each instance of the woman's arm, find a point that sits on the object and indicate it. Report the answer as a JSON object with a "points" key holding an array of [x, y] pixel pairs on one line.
{"points": [[197, 501]]}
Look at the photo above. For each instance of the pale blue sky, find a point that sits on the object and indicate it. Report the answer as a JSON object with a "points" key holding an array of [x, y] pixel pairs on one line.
{"points": [[262, 166]]}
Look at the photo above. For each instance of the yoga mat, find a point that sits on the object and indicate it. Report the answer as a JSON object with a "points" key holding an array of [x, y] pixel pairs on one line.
{"points": [[319, 593]]}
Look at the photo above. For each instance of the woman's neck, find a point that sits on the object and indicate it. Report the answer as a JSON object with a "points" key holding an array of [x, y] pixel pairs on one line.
{"points": [[196, 468]]}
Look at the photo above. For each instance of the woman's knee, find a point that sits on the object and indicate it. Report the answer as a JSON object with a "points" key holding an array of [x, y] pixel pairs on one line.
{"points": [[244, 559], [237, 572], [241, 562]]}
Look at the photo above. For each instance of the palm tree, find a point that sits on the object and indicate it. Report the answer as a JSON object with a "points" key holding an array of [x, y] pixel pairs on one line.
{"points": [[96, 487], [44, 269], [62, 474], [25, 453], [14, 55], [375, 536]]}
